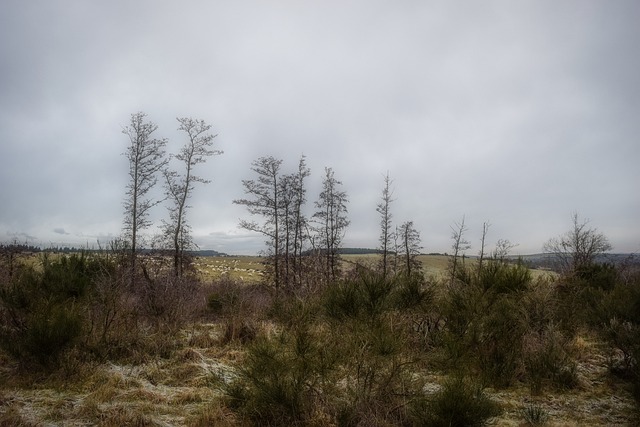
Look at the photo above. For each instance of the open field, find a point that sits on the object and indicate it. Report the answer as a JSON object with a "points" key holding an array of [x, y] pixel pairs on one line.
{"points": [[250, 268], [243, 268]]}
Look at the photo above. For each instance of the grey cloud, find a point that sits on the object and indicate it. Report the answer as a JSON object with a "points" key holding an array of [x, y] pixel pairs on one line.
{"points": [[517, 113]]}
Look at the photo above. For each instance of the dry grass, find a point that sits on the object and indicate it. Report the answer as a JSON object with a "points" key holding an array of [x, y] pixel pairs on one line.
{"points": [[183, 391], [242, 268], [184, 388]]}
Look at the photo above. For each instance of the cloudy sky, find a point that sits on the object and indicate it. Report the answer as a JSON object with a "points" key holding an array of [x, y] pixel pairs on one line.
{"points": [[513, 112]]}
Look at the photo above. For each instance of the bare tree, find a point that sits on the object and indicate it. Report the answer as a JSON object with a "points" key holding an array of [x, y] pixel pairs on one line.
{"points": [[146, 157], [485, 230], [410, 246], [298, 219], [179, 186], [459, 246], [331, 216], [386, 233], [503, 247], [265, 195], [578, 247]]}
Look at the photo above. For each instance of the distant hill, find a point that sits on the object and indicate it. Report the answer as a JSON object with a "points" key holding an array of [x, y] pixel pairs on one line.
{"points": [[358, 251], [544, 260], [208, 252]]}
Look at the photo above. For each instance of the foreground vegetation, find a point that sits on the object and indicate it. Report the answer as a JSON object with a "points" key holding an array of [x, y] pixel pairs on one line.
{"points": [[81, 345]]}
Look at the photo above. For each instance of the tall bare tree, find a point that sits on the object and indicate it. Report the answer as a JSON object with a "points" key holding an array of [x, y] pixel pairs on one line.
{"points": [[297, 221], [386, 232], [410, 246], [331, 219], [460, 245], [146, 156], [179, 186], [485, 230], [578, 247], [265, 200]]}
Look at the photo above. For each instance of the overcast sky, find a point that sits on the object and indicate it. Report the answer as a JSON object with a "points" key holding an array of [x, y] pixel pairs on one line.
{"points": [[513, 112]]}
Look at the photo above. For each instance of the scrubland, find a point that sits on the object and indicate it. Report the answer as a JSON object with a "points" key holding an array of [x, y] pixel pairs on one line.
{"points": [[498, 345]]}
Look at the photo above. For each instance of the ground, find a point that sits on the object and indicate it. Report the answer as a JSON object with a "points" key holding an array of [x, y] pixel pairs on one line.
{"points": [[184, 389]]}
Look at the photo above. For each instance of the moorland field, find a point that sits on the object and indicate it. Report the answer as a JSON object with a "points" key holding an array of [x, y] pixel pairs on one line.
{"points": [[498, 344]]}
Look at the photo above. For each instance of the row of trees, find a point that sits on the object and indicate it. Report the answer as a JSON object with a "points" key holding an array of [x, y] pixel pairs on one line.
{"points": [[280, 200]]}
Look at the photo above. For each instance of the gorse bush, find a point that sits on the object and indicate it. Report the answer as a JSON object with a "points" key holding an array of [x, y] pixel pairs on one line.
{"points": [[501, 325], [548, 360], [534, 415], [281, 378], [500, 278], [83, 302], [343, 357], [45, 310], [369, 294], [413, 293], [499, 351], [460, 402], [619, 316]]}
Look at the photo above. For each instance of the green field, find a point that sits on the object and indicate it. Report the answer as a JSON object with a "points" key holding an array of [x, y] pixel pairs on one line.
{"points": [[250, 269], [243, 268]]}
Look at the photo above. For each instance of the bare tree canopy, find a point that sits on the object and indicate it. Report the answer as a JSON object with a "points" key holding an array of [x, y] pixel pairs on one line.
{"points": [[180, 185], [331, 220], [146, 156], [460, 245], [410, 246], [264, 200], [578, 247], [386, 232]]}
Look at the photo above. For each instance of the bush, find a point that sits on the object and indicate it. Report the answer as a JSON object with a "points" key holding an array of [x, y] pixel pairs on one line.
{"points": [[369, 294], [412, 293], [534, 415], [620, 325], [460, 402], [168, 302], [500, 278], [46, 310], [547, 359], [278, 381], [343, 300], [499, 350], [238, 306]]}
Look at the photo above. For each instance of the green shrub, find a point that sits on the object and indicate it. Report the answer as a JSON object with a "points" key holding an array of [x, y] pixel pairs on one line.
{"points": [[461, 308], [278, 381], [46, 308], [49, 332], [460, 402], [500, 278], [412, 293], [369, 294], [547, 359], [376, 291], [343, 300], [499, 349], [620, 325], [534, 415]]}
